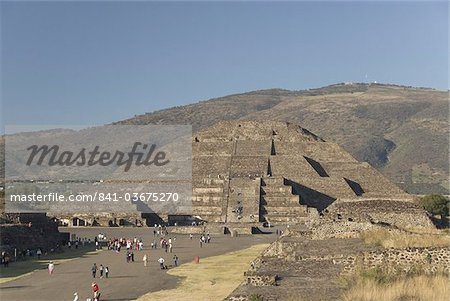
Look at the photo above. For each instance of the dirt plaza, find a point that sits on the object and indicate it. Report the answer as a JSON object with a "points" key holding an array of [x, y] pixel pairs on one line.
{"points": [[127, 281]]}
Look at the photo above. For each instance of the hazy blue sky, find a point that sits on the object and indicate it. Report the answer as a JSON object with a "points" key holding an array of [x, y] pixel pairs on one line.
{"points": [[98, 62]]}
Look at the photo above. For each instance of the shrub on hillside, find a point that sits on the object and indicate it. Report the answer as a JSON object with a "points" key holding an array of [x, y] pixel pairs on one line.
{"points": [[436, 204]]}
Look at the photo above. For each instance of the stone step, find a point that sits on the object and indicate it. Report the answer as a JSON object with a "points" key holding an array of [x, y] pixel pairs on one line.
{"points": [[207, 198], [275, 200], [276, 181], [285, 209], [207, 190], [277, 190], [213, 181]]}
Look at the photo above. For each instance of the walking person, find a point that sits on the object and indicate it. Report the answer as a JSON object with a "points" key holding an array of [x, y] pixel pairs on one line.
{"points": [[5, 259], [145, 260], [94, 270], [106, 272], [175, 260], [95, 291], [51, 267], [101, 271]]}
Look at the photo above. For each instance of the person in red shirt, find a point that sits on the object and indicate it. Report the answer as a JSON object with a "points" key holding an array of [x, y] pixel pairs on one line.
{"points": [[96, 291]]}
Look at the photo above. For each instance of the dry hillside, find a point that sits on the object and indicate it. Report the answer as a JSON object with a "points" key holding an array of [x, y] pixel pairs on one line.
{"points": [[402, 131]]}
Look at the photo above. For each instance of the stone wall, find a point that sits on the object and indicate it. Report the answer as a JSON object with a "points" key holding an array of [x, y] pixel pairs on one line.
{"points": [[243, 200], [209, 198], [428, 260], [210, 228], [399, 213], [29, 231], [256, 279], [338, 229], [105, 219]]}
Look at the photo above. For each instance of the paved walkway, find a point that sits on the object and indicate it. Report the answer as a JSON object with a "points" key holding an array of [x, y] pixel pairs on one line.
{"points": [[127, 281]]}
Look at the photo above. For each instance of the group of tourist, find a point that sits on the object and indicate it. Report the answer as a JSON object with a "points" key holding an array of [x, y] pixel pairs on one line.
{"points": [[162, 262], [203, 239], [160, 230], [27, 253], [102, 270], [165, 242], [39, 252], [95, 293], [79, 242], [130, 244]]}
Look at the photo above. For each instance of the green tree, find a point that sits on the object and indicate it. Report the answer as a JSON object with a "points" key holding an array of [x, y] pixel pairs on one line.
{"points": [[436, 204]]}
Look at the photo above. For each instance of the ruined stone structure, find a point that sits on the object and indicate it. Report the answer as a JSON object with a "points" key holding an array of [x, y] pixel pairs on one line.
{"points": [[102, 219], [430, 260], [245, 173], [28, 231], [275, 172], [297, 266]]}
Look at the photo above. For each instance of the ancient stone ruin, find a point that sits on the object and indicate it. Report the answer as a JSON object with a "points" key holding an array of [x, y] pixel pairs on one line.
{"points": [[245, 173], [299, 266], [28, 231], [279, 173]]}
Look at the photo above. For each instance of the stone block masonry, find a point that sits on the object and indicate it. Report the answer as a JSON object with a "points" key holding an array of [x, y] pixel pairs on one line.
{"points": [[428, 260], [279, 173], [299, 174]]}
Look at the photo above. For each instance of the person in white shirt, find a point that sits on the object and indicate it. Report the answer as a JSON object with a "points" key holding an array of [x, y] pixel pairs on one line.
{"points": [[161, 263], [51, 267]]}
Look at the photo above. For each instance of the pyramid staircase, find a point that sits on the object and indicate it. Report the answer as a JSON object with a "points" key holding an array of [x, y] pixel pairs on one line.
{"points": [[278, 203]]}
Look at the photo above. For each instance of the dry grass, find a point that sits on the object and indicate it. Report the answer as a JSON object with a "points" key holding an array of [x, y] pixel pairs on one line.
{"points": [[213, 279], [422, 238], [418, 288]]}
